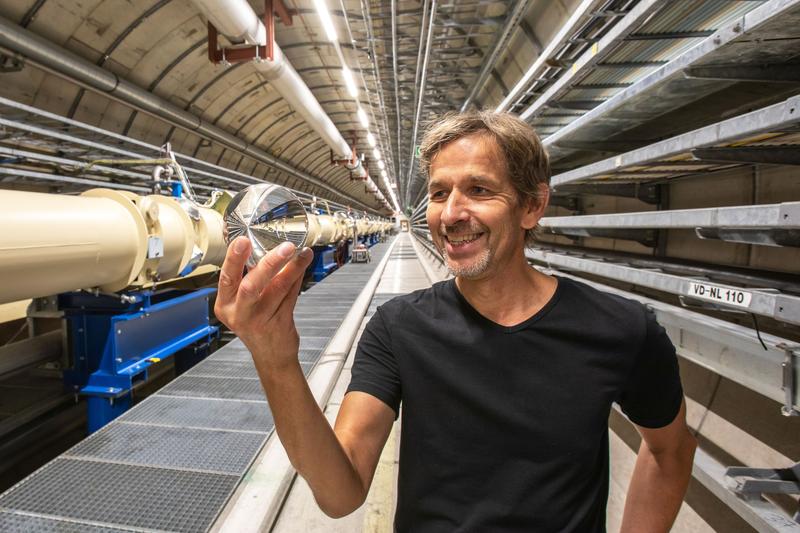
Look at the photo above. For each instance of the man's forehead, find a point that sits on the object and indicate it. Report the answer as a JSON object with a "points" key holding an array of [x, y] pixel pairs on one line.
{"points": [[476, 158]]}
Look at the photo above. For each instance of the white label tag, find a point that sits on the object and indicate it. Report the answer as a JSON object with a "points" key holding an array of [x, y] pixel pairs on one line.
{"points": [[715, 293], [155, 247]]}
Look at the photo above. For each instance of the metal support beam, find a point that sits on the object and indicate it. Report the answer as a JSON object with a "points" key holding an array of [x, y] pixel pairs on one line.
{"points": [[591, 58], [770, 303], [775, 118], [768, 155], [644, 192], [487, 67], [780, 73]]}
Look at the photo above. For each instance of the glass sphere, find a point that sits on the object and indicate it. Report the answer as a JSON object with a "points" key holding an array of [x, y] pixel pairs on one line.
{"points": [[268, 215]]}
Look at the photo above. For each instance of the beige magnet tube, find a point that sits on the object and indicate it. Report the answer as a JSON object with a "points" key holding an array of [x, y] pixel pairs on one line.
{"points": [[327, 229], [314, 230], [212, 236], [54, 243], [177, 233]]}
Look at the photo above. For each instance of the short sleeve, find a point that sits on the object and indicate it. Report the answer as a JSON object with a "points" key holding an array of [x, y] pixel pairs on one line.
{"points": [[375, 370], [653, 393]]}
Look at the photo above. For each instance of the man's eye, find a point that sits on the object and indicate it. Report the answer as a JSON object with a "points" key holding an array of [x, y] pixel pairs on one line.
{"points": [[479, 190], [436, 194]]}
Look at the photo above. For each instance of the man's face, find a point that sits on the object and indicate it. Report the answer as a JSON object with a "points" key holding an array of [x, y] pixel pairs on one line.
{"points": [[474, 213]]}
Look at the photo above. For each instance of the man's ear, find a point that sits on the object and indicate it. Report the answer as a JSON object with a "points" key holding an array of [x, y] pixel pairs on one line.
{"points": [[534, 207]]}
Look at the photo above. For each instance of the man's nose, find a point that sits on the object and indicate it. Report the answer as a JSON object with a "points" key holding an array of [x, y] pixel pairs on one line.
{"points": [[455, 209]]}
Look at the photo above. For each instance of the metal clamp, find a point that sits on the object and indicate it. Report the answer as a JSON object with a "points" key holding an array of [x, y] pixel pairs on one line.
{"points": [[788, 382], [752, 483]]}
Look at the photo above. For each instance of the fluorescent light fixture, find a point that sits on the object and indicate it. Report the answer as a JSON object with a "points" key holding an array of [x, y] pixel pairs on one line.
{"points": [[362, 116], [376, 155], [327, 21], [371, 139], [381, 165], [349, 82]]}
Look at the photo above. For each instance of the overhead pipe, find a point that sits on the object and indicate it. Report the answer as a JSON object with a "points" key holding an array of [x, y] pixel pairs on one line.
{"points": [[421, 95], [237, 21], [77, 69]]}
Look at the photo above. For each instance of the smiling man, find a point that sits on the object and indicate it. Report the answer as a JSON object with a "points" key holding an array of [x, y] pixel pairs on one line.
{"points": [[506, 376]]}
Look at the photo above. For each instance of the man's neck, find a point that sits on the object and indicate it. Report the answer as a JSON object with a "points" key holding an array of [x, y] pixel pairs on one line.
{"points": [[509, 297]]}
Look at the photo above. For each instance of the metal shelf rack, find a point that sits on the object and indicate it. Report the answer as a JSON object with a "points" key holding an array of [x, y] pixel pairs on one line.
{"points": [[767, 135], [757, 48], [770, 302], [772, 224]]}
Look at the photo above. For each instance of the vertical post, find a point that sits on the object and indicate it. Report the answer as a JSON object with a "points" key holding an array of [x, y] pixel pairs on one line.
{"points": [[212, 43], [269, 23]]}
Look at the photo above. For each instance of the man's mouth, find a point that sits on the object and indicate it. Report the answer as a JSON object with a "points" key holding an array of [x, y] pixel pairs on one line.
{"points": [[460, 240]]}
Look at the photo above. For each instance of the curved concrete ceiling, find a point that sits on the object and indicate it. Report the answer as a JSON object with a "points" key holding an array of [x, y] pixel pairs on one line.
{"points": [[161, 46]]}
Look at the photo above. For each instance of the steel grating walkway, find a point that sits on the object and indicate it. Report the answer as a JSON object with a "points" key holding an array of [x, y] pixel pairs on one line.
{"points": [[172, 462]]}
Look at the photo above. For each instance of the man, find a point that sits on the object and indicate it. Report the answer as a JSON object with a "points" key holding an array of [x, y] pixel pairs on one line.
{"points": [[506, 375]]}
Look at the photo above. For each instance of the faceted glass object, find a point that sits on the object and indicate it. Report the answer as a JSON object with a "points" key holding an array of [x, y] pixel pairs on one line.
{"points": [[268, 215]]}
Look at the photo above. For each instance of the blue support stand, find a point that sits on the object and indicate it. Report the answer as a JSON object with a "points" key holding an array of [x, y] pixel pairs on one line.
{"points": [[324, 262], [114, 342]]}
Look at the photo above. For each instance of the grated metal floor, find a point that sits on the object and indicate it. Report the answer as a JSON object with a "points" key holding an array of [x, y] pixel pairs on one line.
{"points": [[172, 462]]}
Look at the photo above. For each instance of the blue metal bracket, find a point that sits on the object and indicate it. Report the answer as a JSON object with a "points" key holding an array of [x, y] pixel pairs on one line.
{"points": [[114, 342], [324, 262]]}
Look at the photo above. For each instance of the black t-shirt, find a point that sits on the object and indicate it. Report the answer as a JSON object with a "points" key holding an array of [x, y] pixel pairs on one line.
{"points": [[506, 428]]}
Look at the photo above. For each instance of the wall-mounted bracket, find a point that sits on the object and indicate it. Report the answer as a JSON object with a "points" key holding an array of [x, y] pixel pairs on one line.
{"points": [[240, 54], [790, 369]]}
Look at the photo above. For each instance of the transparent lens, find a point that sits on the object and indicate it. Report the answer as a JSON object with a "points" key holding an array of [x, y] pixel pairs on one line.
{"points": [[267, 215]]}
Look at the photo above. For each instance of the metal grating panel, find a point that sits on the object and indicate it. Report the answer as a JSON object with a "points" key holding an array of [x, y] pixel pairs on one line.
{"points": [[318, 322], [231, 355], [145, 497], [244, 369], [228, 452], [194, 412], [313, 331], [168, 464], [205, 387], [23, 523], [309, 356]]}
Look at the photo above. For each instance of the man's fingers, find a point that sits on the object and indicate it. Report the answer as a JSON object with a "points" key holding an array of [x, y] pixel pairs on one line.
{"points": [[286, 284], [231, 274], [260, 277], [288, 303]]}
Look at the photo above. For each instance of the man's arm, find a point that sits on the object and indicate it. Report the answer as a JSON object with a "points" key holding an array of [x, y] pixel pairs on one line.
{"points": [[259, 308], [660, 478]]}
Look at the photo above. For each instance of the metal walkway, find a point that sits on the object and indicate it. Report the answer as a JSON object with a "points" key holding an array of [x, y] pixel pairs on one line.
{"points": [[300, 513], [173, 461]]}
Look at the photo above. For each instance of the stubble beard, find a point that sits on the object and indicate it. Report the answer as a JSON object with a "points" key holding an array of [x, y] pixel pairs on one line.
{"points": [[474, 270], [477, 267]]}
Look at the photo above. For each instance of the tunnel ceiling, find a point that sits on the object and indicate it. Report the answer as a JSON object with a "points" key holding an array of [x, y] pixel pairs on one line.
{"points": [[161, 46]]}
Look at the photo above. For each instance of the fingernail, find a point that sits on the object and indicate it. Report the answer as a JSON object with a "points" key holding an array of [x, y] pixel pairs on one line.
{"points": [[286, 249], [306, 252], [240, 246]]}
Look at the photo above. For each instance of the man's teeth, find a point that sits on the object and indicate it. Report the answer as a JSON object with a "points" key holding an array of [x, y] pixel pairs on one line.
{"points": [[463, 238]]}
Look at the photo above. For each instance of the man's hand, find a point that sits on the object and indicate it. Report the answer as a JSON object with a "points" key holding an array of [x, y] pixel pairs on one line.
{"points": [[259, 307]]}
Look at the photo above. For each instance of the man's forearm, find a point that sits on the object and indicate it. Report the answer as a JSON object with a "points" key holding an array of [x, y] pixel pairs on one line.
{"points": [[309, 440], [657, 488]]}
